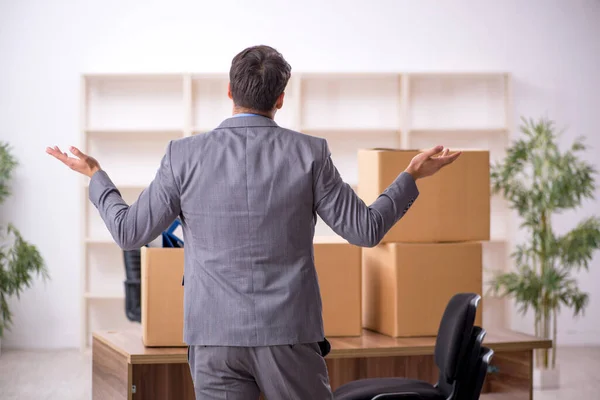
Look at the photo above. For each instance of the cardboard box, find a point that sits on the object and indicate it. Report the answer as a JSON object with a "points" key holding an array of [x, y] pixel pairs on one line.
{"points": [[453, 205], [407, 286], [162, 297], [338, 265]]}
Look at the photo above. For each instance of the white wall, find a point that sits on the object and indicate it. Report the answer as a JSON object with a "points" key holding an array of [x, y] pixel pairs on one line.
{"points": [[551, 47]]}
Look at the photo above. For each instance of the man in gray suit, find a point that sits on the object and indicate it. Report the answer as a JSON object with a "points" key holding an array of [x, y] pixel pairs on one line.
{"points": [[248, 194]]}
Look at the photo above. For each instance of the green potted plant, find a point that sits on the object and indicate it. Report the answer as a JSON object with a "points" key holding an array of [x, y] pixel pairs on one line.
{"points": [[540, 180], [20, 261]]}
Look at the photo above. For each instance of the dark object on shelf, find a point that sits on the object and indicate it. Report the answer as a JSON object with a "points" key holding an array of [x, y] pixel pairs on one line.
{"points": [[133, 276], [133, 290], [133, 308]]}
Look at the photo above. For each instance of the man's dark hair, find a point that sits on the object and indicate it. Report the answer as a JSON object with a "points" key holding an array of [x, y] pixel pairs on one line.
{"points": [[257, 77]]}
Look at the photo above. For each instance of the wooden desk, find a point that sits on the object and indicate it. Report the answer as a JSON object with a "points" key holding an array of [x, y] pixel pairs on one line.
{"points": [[123, 368]]}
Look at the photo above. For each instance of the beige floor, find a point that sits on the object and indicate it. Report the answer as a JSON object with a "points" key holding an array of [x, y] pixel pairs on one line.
{"points": [[66, 375]]}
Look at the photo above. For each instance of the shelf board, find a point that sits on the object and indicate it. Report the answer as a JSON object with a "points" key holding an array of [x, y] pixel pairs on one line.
{"points": [[495, 130], [104, 296], [210, 75], [135, 131], [134, 76], [103, 241], [349, 130], [456, 74], [337, 76], [202, 130], [125, 186]]}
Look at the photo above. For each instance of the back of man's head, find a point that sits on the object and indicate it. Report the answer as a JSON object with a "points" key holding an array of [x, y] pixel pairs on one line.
{"points": [[258, 76]]}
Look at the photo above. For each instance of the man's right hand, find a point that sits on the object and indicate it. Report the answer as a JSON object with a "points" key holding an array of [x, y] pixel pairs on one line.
{"points": [[426, 164]]}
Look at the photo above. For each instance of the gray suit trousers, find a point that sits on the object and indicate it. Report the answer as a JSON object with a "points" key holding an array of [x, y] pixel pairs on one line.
{"points": [[285, 372]]}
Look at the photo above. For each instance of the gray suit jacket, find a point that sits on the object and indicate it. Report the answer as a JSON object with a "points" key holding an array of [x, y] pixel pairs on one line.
{"points": [[248, 194]]}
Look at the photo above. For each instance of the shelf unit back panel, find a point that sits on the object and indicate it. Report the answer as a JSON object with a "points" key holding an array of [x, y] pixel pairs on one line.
{"points": [[131, 158], [287, 116], [351, 102], [106, 270], [211, 103], [135, 102], [495, 312], [457, 101], [107, 314], [495, 257], [499, 215]]}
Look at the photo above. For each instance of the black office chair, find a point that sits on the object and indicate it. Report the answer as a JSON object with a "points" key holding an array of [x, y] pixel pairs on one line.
{"points": [[452, 353], [466, 380]]}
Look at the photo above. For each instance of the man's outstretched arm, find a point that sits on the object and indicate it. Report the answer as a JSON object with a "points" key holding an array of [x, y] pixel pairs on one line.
{"points": [[340, 208], [138, 224]]}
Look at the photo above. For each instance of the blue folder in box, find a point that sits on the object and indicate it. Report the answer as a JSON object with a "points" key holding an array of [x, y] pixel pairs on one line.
{"points": [[170, 238]]}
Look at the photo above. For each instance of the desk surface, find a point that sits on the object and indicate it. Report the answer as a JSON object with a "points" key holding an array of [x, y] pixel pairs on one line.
{"points": [[370, 344]]}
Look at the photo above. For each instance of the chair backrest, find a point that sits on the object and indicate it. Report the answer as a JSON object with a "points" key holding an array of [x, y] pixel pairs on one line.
{"points": [[454, 337], [467, 375]]}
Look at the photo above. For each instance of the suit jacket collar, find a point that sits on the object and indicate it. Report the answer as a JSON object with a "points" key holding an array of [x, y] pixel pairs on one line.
{"points": [[242, 122]]}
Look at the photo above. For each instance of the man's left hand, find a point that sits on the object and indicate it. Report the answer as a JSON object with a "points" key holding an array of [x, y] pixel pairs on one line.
{"points": [[81, 163]]}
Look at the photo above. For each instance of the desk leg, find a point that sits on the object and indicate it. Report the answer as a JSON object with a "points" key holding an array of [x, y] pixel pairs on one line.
{"points": [[111, 373]]}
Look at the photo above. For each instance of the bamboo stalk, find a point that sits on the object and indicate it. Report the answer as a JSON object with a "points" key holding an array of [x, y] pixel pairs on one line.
{"points": [[545, 305], [537, 334], [546, 334], [554, 330]]}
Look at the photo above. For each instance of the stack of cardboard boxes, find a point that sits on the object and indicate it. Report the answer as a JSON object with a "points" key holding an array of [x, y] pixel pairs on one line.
{"points": [[398, 288], [433, 252]]}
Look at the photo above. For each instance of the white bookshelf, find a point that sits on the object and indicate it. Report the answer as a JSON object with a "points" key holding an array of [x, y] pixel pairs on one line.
{"points": [[128, 119]]}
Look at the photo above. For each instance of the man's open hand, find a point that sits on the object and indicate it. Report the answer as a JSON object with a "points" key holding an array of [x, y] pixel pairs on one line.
{"points": [[426, 164], [81, 163]]}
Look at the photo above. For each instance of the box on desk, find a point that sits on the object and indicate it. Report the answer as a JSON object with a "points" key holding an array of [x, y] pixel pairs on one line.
{"points": [[338, 265], [406, 286], [453, 205], [162, 297]]}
